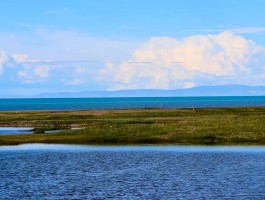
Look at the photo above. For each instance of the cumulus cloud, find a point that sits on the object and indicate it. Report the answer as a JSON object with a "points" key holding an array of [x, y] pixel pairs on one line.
{"points": [[6, 62], [3, 58], [20, 57], [20, 73], [42, 71], [13, 69], [169, 63], [34, 73]]}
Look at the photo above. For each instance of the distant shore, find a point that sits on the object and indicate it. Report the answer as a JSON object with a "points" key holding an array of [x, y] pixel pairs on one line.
{"points": [[200, 126]]}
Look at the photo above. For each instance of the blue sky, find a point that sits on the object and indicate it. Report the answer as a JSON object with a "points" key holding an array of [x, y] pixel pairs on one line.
{"points": [[77, 45]]}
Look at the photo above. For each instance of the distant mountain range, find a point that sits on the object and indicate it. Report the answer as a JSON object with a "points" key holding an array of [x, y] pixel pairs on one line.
{"points": [[220, 90]]}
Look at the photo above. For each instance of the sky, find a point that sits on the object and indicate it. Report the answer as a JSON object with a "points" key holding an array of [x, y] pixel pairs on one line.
{"points": [[91, 45]]}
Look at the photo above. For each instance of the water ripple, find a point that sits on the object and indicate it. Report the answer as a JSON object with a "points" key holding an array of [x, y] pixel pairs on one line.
{"points": [[140, 172]]}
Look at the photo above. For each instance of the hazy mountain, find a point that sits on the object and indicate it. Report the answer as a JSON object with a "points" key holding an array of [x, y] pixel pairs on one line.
{"points": [[221, 90]]}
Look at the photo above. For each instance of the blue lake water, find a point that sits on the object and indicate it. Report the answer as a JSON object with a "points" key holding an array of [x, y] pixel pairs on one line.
{"points": [[20, 130], [39, 171], [15, 130], [124, 103]]}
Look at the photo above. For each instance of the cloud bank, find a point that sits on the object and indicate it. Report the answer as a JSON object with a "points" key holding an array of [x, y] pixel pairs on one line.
{"points": [[168, 63], [160, 63], [21, 73]]}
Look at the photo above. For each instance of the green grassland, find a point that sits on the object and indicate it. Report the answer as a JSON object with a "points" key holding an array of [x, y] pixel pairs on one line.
{"points": [[245, 125]]}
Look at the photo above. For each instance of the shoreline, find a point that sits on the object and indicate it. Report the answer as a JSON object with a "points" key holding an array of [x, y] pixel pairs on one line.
{"points": [[199, 126]]}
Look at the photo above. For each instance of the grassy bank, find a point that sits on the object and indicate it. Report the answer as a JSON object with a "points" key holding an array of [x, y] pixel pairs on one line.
{"points": [[141, 126]]}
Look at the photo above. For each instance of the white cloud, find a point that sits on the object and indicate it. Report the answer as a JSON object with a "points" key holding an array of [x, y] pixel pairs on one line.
{"points": [[168, 63], [20, 57], [42, 71], [6, 62], [20, 68], [3, 59], [34, 74], [20, 73]]}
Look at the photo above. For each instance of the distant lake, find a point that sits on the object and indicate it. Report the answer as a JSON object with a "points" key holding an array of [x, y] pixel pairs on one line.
{"points": [[39, 171], [125, 103]]}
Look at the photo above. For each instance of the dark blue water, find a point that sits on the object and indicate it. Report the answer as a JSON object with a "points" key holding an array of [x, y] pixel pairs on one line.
{"points": [[124, 103], [140, 172]]}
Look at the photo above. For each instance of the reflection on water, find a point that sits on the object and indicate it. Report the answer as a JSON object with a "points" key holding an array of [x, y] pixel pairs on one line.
{"points": [[131, 172]]}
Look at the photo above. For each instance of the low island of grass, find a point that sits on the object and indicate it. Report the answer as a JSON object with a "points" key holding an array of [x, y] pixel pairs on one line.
{"points": [[222, 126]]}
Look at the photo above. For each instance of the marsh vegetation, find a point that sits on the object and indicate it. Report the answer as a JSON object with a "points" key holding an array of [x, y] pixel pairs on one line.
{"points": [[245, 125]]}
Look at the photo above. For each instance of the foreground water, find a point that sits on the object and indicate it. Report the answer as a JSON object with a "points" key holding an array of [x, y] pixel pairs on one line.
{"points": [[131, 172], [125, 103]]}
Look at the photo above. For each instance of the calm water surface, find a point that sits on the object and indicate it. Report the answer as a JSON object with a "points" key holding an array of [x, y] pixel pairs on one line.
{"points": [[21, 130], [131, 172], [15, 130], [125, 103]]}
